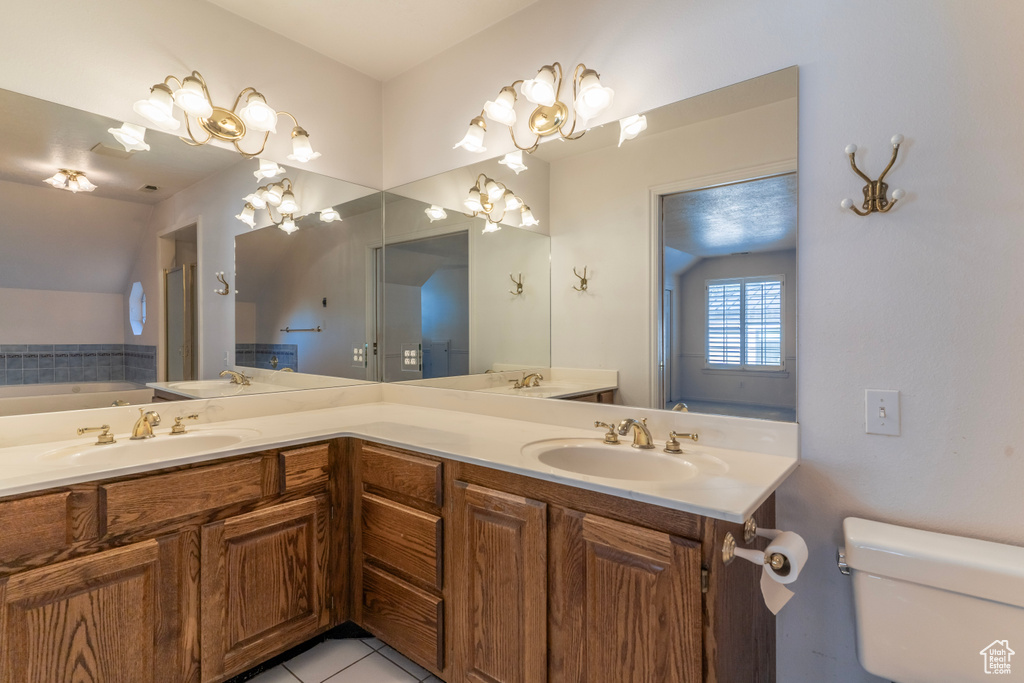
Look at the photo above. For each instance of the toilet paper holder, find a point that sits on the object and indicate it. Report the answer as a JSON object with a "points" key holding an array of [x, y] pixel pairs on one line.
{"points": [[777, 561]]}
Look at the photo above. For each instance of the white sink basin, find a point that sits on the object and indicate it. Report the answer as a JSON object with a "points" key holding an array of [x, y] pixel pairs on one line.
{"points": [[161, 447], [593, 457], [208, 388]]}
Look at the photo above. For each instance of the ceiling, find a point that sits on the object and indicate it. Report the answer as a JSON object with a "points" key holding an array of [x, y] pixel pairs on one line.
{"points": [[380, 38]]}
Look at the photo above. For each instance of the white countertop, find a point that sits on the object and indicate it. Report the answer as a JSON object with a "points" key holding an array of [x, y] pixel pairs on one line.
{"points": [[731, 486]]}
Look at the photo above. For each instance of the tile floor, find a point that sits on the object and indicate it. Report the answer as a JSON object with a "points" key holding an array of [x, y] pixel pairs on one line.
{"points": [[350, 660]]}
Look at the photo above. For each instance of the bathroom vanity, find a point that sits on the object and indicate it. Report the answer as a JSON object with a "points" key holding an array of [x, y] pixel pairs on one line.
{"points": [[197, 568]]}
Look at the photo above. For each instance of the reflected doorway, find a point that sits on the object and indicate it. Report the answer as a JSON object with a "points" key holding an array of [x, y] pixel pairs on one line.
{"points": [[728, 285], [180, 323]]}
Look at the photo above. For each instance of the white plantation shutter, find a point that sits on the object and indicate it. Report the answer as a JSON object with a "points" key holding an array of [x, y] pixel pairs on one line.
{"points": [[725, 308], [744, 322]]}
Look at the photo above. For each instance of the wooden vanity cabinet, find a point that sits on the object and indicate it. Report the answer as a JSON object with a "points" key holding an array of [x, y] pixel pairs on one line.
{"points": [[183, 575]]}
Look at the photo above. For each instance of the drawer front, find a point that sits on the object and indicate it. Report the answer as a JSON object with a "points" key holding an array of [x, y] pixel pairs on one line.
{"points": [[308, 466], [403, 539], [418, 478], [404, 616], [134, 504], [34, 525]]}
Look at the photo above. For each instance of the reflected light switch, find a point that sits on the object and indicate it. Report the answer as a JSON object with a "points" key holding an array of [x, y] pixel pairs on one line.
{"points": [[882, 412]]}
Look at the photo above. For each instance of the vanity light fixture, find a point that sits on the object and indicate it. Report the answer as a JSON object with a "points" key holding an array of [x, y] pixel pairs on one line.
{"points": [[631, 126], [73, 181], [329, 215], [268, 169], [492, 200], [277, 196], [589, 98], [514, 160], [131, 137], [191, 95], [435, 213], [875, 192]]}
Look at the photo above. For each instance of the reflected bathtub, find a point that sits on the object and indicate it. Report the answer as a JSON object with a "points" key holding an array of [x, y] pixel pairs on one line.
{"points": [[22, 399]]}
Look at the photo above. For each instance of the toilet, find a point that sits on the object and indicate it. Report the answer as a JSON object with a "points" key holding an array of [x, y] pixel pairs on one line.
{"points": [[932, 607]]}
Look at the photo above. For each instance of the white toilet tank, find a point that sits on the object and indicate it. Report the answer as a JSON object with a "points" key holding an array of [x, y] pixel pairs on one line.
{"points": [[933, 608]]}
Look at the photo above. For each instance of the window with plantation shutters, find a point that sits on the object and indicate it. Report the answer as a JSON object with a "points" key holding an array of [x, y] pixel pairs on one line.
{"points": [[744, 323]]}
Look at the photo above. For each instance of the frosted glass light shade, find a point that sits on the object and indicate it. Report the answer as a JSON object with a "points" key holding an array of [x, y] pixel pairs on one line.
{"points": [[258, 115], [490, 227], [541, 90], [494, 189], [131, 137], [501, 109], [301, 149], [58, 180], [474, 202], [288, 225], [512, 202], [514, 160], [288, 203], [82, 184], [248, 215], [256, 199], [273, 195], [631, 126], [192, 98], [592, 98], [158, 108], [474, 139], [435, 213], [330, 215], [527, 217], [267, 169]]}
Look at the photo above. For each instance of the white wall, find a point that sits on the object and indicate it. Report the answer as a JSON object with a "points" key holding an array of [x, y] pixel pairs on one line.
{"points": [[104, 58], [43, 316], [600, 218], [245, 322], [923, 299], [444, 306], [691, 379]]}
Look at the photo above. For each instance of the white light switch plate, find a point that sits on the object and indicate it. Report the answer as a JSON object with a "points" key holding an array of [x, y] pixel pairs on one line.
{"points": [[882, 412]]}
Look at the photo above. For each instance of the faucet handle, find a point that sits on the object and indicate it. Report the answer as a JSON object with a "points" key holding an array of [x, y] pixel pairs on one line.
{"points": [[105, 436], [672, 445], [611, 436], [178, 427], [517, 384]]}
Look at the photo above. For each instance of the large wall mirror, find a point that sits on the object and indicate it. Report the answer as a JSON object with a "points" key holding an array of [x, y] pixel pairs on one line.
{"points": [[686, 235], [105, 292]]}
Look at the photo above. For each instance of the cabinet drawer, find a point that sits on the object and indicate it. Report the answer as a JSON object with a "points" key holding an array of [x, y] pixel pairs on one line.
{"points": [[403, 539], [34, 525], [408, 475], [306, 466], [134, 504], [404, 616]]}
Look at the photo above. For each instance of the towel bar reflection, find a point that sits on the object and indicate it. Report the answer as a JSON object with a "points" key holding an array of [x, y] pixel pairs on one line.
{"points": [[304, 329]]}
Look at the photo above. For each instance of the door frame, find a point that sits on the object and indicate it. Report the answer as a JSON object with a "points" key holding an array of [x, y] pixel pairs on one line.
{"points": [[656, 286]]}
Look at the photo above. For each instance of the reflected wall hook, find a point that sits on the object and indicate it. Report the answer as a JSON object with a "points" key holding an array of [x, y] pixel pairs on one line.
{"points": [[583, 279], [518, 284], [875, 199], [227, 288]]}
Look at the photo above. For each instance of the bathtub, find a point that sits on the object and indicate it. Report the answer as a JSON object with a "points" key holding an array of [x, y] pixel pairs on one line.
{"points": [[22, 399]]}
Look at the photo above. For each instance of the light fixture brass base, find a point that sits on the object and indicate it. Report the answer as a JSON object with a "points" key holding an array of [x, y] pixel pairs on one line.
{"points": [[546, 121], [224, 125]]}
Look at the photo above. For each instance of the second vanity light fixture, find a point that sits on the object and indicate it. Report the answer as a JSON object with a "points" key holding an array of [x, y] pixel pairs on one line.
{"points": [[589, 98], [492, 200], [275, 196], [191, 95]]}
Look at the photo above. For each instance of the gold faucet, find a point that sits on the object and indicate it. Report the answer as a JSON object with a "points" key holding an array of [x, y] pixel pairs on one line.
{"points": [[236, 377], [641, 434], [143, 428], [535, 377]]}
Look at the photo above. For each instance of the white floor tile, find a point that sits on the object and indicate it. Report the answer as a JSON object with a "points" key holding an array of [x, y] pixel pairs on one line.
{"points": [[326, 659], [373, 642], [278, 674], [432, 679], [373, 669], [401, 660]]}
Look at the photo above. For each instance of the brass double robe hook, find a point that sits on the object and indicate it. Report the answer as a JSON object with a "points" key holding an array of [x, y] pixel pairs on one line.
{"points": [[583, 279], [875, 192], [226, 289], [518, 284]]}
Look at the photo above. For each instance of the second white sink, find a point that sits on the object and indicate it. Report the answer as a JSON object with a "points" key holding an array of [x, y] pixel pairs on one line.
{"points": [[161, 447], [593, 457]]}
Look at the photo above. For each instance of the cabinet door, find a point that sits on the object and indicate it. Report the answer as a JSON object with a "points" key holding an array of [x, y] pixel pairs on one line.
{"points": [[626, 603], [499, 587], [127, 615], [264, 584]]}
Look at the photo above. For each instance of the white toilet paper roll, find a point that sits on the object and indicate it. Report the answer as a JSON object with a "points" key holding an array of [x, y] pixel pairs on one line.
{"points": [[791, 546]]}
